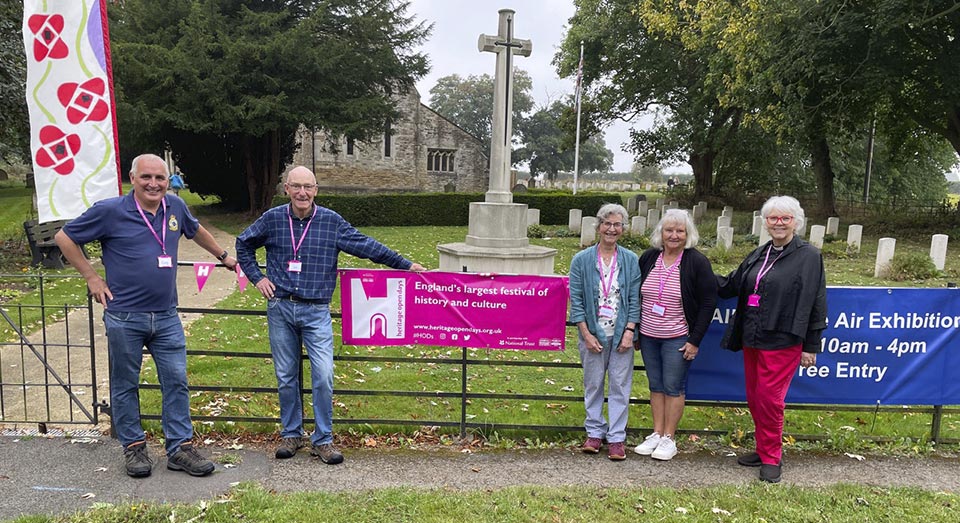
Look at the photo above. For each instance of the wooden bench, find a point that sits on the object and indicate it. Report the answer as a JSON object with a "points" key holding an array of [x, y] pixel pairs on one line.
{"points": [[43, 248]]}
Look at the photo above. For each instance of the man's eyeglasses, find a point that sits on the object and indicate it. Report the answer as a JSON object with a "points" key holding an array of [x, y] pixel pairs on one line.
{"points": [[773, 220], [614, 225], [305, 186]]}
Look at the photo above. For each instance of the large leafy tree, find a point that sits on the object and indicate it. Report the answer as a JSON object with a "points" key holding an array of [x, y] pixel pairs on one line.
{"points": [[549, 143], [468, 101], [14, 122], [226, 83]]}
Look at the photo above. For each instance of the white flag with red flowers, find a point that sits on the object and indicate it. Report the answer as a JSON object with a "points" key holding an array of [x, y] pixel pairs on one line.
{"points": [[72, 110]]}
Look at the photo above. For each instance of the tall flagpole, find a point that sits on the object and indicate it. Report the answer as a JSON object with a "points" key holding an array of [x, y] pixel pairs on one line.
{"points": [[576, 147]]}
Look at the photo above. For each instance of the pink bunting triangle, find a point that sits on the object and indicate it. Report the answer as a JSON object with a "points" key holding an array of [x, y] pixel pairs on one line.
{"points": [[241, 279], [203, 271]]}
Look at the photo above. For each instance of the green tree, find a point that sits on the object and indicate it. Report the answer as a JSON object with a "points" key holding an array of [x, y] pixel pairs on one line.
{"points": [[14, 121], [645, 172], [548, 143], [226, 83], [468, 102]]}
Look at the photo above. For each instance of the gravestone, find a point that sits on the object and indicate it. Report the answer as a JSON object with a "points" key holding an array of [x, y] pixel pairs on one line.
{"points": [[574, 220], [725, 236], [854, 235], [653, 218], [757, 225], [764, 236], [520, 188], [632, 205], [885, 249], [588, 231], [727, 210], [638, 225], [938, 250], [642, 208], [533, 217], [833, 225], [497, 235], [722, 221], [816, 235]]}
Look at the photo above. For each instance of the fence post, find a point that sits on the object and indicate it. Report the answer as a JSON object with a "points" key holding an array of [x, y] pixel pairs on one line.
{"points": [[463, 393], [935, 426]]}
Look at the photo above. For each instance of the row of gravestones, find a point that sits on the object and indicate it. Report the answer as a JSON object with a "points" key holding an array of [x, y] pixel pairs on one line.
{"points": [[587, 227]]}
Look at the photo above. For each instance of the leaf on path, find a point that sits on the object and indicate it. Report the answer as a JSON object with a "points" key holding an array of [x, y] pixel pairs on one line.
{"points": [[718, 510], [88, 495], [857, 457]]}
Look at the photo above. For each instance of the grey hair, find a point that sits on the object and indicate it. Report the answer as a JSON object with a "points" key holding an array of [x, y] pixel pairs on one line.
{"points": [[675, 216], [611, 208], [136, 163], [787, 204]]}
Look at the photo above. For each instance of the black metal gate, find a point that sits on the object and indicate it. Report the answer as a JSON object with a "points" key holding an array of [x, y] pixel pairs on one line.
{"points": [[48, 368]]}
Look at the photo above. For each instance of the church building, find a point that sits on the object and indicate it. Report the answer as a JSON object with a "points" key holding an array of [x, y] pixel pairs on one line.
{"points": [[420, 152]]}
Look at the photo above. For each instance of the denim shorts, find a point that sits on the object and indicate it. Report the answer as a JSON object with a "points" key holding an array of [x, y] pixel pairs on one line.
{"points": [[666, 367]]}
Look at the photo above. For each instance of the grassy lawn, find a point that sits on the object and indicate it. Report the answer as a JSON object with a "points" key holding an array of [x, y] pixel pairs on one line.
{"points": [[755, 502]]}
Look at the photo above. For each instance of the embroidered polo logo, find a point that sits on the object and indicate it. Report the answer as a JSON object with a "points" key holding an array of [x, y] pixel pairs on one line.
{"points": [[172, 223]]}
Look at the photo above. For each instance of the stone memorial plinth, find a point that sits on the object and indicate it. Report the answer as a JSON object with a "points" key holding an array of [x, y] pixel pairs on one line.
{"points": [[885, 249], [497, 234]]}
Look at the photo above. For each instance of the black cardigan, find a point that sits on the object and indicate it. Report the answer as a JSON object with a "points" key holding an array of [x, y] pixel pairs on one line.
{"points": [[793, 295], [698, 290]]}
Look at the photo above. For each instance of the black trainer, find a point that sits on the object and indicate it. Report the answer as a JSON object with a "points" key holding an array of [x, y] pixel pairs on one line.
{"points": [[190, 461], [289, 447], [327, 453], [137, 460], [749, 460], [770, 473]]}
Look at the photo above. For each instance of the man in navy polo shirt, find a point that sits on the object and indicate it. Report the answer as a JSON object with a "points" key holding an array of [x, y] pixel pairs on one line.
{"points": [[139, 234], [303, 242]]}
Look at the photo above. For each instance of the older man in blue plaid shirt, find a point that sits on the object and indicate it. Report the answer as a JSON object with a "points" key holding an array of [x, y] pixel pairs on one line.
{"points": [[303, 242]]}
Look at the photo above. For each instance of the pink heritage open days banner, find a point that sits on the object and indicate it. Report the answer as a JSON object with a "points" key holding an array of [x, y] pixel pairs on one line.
{"points": [[389, 307]]}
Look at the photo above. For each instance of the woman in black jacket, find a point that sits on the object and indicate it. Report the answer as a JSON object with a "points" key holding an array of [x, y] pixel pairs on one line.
{"points": [[678, 295], [781, 313]]}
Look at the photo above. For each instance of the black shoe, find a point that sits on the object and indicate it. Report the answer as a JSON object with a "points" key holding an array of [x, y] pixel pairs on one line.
{"points": [[749, 460], [289, 447], [137, 460], [327, 453], [770, 473], [190, 461]]}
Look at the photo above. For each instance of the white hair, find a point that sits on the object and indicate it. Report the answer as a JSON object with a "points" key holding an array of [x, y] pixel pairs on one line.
{"points": [[786, 204], [135, 164], [611, 208], [675, 216]]}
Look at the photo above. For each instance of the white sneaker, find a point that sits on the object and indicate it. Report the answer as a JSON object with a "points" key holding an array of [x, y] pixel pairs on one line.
{"points": [[649, 445], [666, 450]]}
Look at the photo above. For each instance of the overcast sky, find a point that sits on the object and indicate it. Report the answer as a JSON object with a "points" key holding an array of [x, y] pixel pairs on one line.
{"points": [[452, 48]]}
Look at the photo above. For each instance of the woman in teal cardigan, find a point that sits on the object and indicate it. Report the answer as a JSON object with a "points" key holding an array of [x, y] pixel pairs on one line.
{"points": [[605, 305]]}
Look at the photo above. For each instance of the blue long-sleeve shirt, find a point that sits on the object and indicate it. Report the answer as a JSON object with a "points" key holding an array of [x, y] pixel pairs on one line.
{"points": [[328, 234]]}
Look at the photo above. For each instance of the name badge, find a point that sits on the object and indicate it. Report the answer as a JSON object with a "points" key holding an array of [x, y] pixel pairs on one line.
{"points": [[294, 266], [753, 300], [606, 311], [164, 261], [658, 309]]}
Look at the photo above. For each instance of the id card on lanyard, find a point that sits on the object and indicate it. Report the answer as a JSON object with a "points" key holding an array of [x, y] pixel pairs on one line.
{"points": [[295, 265], [658, 308], [606, 284], [753, 300], [164, 261]]}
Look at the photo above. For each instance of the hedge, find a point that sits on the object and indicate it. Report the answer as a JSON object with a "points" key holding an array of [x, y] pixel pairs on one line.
{"points": [[450, 208]]}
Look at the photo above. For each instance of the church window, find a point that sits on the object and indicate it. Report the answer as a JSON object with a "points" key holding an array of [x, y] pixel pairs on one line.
{"points": [[350, 144], [441, 160], [387, 141]]}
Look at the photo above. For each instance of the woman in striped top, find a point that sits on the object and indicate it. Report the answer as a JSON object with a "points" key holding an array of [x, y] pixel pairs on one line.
{"points": [[678, 295]]}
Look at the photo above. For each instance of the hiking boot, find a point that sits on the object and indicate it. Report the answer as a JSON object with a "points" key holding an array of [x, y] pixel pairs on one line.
{"points": [[616, 451], [289, 447], [649, 445], [592, 445], [190, 461], [749, 460], [770, 473], [666, 450], [327, 453], [137, 460]]}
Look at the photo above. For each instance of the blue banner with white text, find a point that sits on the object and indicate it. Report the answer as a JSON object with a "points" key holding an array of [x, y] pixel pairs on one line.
{"points": [[884, 346]]}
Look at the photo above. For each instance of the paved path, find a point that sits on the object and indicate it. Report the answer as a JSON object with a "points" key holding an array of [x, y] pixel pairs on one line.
{"points": [[59, 475]]}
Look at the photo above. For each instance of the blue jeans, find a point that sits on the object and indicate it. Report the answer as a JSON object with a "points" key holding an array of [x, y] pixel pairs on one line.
{"points": [[293, 325], [162, 334], [666, 367], [618, 366]]}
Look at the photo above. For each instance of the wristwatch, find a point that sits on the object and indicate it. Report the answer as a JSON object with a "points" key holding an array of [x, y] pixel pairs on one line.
{"points": [[223, 256]]}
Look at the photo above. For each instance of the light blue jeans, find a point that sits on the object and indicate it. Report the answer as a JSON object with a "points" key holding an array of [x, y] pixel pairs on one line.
{"points": [[294, 325], [596, 367], [162, 334], [665, 364]]}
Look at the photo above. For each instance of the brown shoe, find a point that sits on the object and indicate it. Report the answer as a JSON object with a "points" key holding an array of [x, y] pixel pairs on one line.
{"points": [[616, 451], [327, 453], [591, 446], [289, 447]]}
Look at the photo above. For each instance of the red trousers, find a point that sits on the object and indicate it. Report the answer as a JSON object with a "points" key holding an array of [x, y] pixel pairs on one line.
{"points": [[768, 374]]}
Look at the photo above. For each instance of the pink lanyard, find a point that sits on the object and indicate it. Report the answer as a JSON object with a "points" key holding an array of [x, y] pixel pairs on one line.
{"points": [[296, 244], [606, 282], [665, 274], [163, 224], [764, 269]]}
